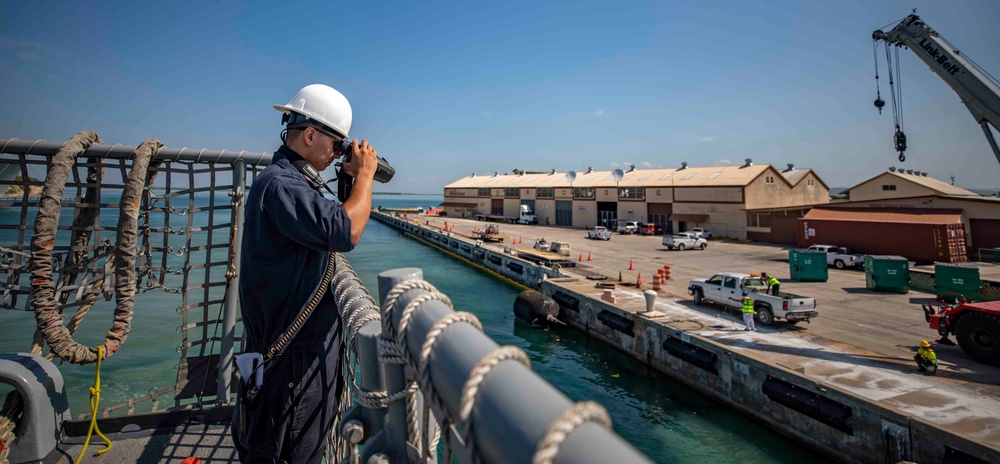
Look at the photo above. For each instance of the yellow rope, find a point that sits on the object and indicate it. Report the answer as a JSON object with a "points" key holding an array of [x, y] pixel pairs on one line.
{"points": [[95, 400]]}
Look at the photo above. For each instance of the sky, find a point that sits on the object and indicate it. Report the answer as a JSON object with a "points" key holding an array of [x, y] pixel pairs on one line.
{"points": [[445, 89]]}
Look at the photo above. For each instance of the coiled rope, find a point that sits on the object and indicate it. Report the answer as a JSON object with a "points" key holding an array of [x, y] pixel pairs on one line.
{"points": [[43, 300]]}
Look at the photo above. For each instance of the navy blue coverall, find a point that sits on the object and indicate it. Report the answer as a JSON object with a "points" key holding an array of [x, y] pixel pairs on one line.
{"points": [[289, 231]]}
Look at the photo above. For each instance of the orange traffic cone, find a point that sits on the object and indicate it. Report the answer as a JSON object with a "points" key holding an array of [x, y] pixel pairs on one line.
{"points": [[588, 256], [630, 265], [638, 281], [520, 240], [581, 256]]}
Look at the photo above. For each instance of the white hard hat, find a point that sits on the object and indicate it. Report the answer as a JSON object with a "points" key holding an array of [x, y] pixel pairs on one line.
{"points": [[322, 104]]}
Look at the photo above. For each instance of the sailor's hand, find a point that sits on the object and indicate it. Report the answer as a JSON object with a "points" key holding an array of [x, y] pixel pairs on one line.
{"points": [[363, 161]]}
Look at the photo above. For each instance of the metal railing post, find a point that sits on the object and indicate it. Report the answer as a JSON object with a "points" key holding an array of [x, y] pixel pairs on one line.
{"points": [[395, 378], [232, 289]]}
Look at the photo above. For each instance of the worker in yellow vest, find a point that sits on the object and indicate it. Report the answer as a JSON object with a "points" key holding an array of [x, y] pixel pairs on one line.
{"points": [[747, 308], [772, 283], [926, 358]]}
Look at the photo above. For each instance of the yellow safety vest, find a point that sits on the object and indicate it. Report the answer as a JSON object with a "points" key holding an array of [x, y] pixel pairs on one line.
{"points": [[772, 281], [928, 355], [747, 305]]}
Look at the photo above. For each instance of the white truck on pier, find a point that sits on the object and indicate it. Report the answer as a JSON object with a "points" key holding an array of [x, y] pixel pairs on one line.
{"points": [[525, 216], [726, 289], [838, 257]]}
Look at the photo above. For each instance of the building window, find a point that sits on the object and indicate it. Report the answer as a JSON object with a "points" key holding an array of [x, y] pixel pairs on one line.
{"points": [[584, 193], [888, 187], [546, 192], [809, 182], [632, 193], [768, 179], [484, 192], [511, 193], [758, 220]]}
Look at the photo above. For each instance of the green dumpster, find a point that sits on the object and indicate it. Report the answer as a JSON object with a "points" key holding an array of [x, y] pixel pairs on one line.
{"points": [[889, 274], [951, 280], [996, 255], [808, 266]]}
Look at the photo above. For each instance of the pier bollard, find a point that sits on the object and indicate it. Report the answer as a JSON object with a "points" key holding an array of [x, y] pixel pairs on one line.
{"points": [[650, 299]]}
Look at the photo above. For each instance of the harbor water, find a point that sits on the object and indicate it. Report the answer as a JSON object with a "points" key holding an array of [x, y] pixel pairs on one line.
{"points": [[663, 419]]}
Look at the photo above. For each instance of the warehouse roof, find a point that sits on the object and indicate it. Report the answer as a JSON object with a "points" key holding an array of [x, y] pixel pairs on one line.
{"points": [[909, 215], [937, 186], [715, 176]]}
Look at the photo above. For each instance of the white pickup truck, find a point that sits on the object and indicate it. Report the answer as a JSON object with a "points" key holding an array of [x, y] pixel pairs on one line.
{"points": [[599, 233], [726, 289], [684, 240], [838, 257]]}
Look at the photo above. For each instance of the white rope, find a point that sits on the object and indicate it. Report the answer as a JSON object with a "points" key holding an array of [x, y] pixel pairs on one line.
{"points": [[393, 296], [430, 395], [565, 424]]}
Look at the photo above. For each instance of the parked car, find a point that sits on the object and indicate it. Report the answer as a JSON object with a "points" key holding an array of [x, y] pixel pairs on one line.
{"points": [[839, 257], [599, 233], [684, 241], [628, 227], [726, 289], [647, 229], [702, 233]]}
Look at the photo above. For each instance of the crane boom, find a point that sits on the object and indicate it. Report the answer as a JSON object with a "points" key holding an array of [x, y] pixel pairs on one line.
{"points": [[979, 94]]}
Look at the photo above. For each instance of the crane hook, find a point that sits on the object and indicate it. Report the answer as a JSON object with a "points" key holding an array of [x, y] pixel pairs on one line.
{"points": [[879, 103], [902, 157]]}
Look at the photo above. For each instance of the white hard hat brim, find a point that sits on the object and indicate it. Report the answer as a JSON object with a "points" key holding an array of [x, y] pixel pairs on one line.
{"points": [[283, 108]]}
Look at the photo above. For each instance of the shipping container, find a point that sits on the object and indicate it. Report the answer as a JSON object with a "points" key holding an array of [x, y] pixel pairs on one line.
{"points": [[808, 266], [951, 280], [921, 242], [887, 274]]}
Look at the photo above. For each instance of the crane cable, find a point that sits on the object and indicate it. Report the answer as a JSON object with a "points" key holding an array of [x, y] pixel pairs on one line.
{"points": [[896, 94]]}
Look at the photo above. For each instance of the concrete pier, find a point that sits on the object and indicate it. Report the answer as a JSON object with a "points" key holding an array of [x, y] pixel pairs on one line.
{"points": [[845, 383]]}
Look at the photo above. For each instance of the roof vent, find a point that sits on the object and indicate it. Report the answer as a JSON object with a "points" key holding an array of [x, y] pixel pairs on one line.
{"points": [[791, 167], [900, 170], [684, 164], [631, 168], [589, 170], [923, 174], [892, 169], [553, 172], [496, 173], [473, 174], [909, 171], [749, 162]]}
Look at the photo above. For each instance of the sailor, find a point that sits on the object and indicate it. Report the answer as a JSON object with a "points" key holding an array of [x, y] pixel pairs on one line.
{"points": [[289, 232], [747, 308], [926, 358], [772, 283]]}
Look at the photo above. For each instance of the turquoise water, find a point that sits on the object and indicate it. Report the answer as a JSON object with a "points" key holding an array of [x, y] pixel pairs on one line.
{"points": [[664, 420]]}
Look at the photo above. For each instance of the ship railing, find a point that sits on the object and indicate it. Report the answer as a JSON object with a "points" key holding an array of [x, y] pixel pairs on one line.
{"points": [[428, 378]]}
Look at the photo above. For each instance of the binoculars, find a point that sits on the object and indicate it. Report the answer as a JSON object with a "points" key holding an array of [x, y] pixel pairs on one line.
{"points": [[345, 182]]}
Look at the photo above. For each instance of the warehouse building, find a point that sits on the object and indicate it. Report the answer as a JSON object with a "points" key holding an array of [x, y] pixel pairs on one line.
{"points": [[882, 204], [675, 199]]}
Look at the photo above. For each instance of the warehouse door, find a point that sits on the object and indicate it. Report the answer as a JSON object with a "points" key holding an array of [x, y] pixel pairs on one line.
{"points": [[564, 213], [607, 214], [985, 235], [659, 214], [497, 207]]}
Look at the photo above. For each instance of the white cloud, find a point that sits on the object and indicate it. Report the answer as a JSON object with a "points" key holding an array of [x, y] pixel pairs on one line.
{"points": [[705, 138], [646, 164], [599, 113], [723, 162]]}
